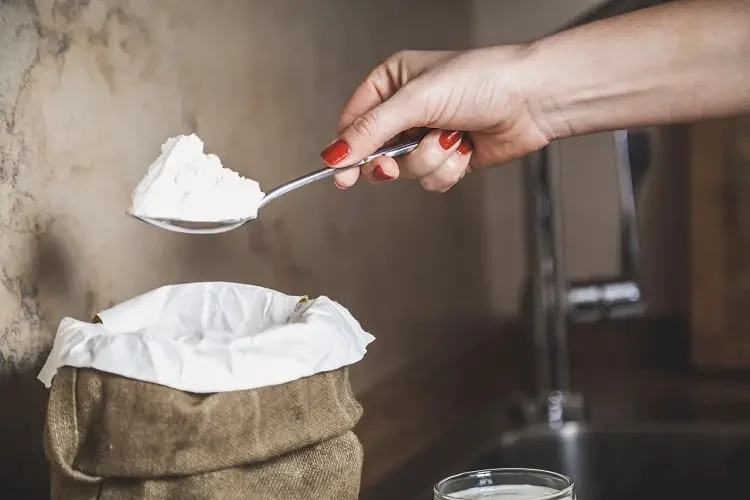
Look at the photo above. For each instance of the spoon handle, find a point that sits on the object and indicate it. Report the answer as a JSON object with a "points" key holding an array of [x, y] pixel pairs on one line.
{"points": [[395, 150]]}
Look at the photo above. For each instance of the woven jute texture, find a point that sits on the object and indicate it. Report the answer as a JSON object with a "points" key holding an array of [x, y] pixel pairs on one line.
{"points": [[108, 437]]}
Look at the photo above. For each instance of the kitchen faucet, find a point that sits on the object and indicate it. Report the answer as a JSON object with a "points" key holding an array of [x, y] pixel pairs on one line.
{"points": [[550, 301]]}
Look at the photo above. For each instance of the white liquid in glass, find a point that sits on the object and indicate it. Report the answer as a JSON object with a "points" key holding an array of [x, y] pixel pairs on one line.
{"points": [[506, 492]]}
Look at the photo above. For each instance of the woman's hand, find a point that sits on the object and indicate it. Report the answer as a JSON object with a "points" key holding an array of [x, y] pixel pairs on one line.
{"points": [[474, 99], [659, 65]]}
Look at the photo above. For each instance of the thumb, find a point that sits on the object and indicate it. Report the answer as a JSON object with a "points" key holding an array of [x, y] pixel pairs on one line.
{"points": [[373, 129]]}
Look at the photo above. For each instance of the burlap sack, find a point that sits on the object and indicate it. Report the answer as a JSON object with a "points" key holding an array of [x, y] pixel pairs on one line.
{"points": [[112, 438]]}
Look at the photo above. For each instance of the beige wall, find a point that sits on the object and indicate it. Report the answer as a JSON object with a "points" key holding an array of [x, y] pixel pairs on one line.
{"points": [[88, 92]]}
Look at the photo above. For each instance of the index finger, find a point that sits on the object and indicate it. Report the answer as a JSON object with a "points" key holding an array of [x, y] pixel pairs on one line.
{"points": [[376, 89], [385, 80]]}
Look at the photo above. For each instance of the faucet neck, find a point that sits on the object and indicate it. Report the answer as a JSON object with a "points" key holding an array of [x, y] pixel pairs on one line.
{"points": [[547, 308]]}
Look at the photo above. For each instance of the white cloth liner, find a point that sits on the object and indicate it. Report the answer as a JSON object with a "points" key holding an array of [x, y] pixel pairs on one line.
{"points": [[212, 337]]}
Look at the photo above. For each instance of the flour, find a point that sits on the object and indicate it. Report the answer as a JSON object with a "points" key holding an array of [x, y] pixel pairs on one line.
{"points": [[186, 184]]}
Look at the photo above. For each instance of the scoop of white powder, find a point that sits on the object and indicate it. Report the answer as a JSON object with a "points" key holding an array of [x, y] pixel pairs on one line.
{"points": [[186, 184]]}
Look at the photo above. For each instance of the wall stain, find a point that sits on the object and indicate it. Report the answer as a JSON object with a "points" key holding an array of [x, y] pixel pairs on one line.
{"points": [[257, 239], [69, 10], [29, 318], [334, 236], [89, 307], [67, 30], [136, 44], [9, 117], [64, 42], [22, 337], [8, 170], [191, 121]]}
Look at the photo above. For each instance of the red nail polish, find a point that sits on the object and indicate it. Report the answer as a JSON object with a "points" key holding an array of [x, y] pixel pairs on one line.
{"points": [[449, 138], [465, 147], [336, 152], [380, 174]]}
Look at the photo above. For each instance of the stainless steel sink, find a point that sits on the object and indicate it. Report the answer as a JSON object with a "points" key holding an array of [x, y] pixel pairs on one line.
{"points": [[644, 462]]}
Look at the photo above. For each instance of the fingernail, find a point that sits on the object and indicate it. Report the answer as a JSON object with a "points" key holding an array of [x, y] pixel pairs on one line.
{"points": [[465, 147], [338, 185], [336, 152], [449, 138], [380, 174]]}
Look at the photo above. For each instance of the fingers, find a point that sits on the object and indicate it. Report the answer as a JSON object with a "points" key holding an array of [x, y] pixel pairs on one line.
{"points": [[433, 150], [431, 153], [450, 171], [440, 161], [374, 128], [385, 80], [390, 101], [379, 170], [386, 104], [346, 178]]}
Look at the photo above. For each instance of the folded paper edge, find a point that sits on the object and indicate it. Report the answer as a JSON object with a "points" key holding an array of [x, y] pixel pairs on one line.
{"points": [[304, 304]]}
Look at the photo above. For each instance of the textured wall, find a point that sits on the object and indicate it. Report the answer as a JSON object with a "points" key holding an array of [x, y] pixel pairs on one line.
{"points": [[90, 89]]}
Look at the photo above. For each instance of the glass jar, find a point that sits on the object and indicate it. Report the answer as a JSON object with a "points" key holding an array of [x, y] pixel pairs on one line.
{"points": [[506, 484]]}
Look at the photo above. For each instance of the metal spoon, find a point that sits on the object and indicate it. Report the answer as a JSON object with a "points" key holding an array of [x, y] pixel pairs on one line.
{"points": [[195, 227]]}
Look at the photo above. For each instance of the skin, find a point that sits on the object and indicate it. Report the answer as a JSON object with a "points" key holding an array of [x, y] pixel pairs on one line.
{"points": [[679, 62]]}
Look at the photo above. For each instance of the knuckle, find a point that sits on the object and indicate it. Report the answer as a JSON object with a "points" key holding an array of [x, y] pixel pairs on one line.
{"points": [[427, 184], [365, 125], [433, 184], [400, 55], [456, 176], [445, 187], [433, 156], [402, 64], [441, 181], [451, 183]]}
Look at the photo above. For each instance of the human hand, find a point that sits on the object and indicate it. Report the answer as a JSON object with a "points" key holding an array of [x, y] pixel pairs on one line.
{"points": [[475, 101]]}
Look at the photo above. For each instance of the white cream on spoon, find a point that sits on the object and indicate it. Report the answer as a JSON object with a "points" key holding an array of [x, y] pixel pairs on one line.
{"points": [[187, 191], [186, 184]]}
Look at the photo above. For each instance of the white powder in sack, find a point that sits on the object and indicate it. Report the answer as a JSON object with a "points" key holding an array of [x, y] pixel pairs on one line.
{"points": [[186, 184]]}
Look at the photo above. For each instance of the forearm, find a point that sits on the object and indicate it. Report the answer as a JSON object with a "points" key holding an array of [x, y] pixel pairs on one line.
{"points": [[678, 62]]}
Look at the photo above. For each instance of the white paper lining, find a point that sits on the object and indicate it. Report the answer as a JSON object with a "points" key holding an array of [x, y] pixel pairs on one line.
{"points": [[212, 337]]}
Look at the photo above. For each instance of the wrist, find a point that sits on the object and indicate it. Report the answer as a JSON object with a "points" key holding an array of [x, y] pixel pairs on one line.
{"points": [[537, 76], [519, 74]]}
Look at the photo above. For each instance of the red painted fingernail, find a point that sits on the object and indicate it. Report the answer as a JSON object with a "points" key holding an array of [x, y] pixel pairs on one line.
{"points": [[380, 174], [336, 152], [465, 147], [449, 138]]}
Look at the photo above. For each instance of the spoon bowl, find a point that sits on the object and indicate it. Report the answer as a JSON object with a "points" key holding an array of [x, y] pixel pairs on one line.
{"points": [[215, 227], [191, 227]]}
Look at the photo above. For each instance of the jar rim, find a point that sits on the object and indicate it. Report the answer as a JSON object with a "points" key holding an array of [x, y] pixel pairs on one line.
{"points": [[566, 492]]}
